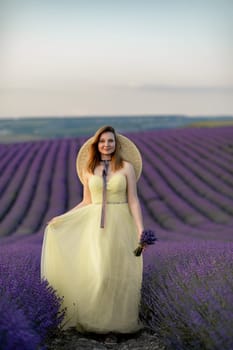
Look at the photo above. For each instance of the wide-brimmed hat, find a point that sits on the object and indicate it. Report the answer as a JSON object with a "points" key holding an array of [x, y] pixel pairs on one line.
{"points": [[129, 152]]}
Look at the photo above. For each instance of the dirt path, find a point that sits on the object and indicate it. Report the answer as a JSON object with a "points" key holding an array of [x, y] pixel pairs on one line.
{"points": [[72, 340]]}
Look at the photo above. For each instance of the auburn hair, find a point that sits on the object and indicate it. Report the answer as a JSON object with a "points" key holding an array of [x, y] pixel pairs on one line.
{"points": [[95, 156]]}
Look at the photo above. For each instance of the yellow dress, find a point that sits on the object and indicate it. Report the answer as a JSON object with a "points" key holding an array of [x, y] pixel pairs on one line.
{"points": [[94, 268]]}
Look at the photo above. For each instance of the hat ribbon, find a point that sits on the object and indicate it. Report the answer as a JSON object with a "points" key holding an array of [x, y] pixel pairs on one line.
{"points": [[104, 175]]}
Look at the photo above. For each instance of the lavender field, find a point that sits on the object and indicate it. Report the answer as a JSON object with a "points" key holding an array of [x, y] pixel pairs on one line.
{"points": [[186, 193]]}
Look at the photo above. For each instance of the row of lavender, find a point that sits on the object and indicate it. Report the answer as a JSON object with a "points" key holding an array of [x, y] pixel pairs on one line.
{"points": [[36, 183], [186, 194], [189, 180], [186, 186]]}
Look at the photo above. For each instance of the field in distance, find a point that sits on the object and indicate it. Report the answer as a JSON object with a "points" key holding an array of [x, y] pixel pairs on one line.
{"points": [[29, 129]]}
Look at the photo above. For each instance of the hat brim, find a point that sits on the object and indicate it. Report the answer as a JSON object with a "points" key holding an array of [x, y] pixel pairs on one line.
{"points": [[129, 153]]}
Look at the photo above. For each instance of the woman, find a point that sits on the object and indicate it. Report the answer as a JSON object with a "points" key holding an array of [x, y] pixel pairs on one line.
{"points": [[87, 253]]}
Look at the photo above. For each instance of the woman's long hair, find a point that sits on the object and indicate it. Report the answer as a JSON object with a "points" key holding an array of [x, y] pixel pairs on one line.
{"points": [[95, 156]]}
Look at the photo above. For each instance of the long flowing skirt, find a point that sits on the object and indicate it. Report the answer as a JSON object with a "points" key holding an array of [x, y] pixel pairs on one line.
{"points": [[95, 269]]}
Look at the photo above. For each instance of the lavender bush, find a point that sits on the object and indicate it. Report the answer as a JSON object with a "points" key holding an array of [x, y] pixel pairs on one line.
{"points": [[29, 308], [16, 331], [187, 294]]}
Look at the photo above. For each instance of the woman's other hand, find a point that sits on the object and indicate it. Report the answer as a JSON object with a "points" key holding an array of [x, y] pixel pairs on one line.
{"points": [[52, 221]]}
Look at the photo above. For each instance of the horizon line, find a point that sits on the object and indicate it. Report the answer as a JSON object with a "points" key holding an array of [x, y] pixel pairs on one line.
{"points": [[177, 115]]}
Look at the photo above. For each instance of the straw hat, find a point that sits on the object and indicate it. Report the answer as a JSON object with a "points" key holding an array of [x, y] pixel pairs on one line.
{"points": [[128, 149]]}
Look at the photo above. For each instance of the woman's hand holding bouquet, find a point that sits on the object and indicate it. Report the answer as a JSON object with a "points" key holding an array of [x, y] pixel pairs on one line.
{"points": [[147, 238]]}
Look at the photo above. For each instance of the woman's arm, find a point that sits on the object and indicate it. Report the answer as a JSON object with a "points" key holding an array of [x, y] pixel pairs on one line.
{"points": [[133, 200]]}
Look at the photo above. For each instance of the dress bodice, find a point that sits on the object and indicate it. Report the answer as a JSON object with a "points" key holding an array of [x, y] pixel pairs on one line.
{"points": [[116, 188]]}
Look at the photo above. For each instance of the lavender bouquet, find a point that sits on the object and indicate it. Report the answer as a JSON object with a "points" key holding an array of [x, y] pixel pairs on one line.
{"points": [[147, 238]]}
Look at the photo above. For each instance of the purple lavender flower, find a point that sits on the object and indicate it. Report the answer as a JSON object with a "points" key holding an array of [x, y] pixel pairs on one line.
{"points": [[30, 309], [147, 238]]}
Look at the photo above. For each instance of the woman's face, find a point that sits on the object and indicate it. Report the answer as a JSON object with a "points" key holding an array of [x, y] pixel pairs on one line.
{"points": [[107, 143]]}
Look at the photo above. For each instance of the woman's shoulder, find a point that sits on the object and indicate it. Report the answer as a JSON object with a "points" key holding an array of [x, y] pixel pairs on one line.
{"points": [[128, 167], [86, 176], [127, 164]]}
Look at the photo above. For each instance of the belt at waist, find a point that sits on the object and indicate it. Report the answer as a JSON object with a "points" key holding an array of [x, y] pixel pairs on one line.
{"points": [[111, 203]]}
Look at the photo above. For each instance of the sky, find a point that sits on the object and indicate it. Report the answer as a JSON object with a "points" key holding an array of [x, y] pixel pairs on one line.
{"points": [[108, 57]]}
